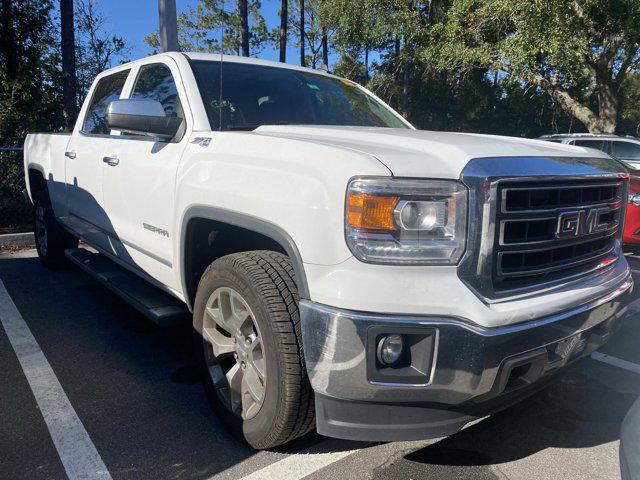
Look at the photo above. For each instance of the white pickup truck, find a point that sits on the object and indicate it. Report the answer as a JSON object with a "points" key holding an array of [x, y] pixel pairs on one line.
{"points": [[345, 271]]}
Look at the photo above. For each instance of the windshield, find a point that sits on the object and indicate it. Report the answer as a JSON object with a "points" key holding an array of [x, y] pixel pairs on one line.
{"points": [[243, 97]]}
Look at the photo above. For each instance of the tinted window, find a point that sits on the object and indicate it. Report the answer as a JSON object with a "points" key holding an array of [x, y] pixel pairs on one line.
{"points": [[254, 95], [625, 150], [597, 144], [107, 90], [155, 82]]}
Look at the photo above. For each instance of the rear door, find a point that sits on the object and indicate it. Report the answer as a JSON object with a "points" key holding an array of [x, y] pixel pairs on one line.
{"points": [[139, 184], [83, 161]]}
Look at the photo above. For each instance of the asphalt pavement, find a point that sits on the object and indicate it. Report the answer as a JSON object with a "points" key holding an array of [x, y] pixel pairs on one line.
{"points": [[89, 381]]}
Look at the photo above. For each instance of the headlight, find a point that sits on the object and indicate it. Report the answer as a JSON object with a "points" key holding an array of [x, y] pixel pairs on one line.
{"points": [[406, 222]]}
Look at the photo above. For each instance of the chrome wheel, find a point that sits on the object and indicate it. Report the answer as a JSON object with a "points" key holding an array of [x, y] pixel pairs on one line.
{"points": [[234, 352], [41, 231]]}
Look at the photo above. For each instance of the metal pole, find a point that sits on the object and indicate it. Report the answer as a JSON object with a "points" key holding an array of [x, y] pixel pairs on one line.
{"points": [[168, 26]]}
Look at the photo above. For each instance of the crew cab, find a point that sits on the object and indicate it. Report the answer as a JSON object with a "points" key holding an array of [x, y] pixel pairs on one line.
{"points": [[343, 271]]}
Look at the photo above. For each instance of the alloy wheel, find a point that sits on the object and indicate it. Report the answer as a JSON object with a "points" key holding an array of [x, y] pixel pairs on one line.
{"points": [[234, 352]]}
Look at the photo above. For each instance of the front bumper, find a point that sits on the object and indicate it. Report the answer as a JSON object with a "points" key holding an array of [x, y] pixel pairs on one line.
{"points": [[461, 371]]}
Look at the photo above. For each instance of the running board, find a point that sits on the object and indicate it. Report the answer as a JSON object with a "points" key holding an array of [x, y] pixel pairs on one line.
{"points": [[158, 306]]}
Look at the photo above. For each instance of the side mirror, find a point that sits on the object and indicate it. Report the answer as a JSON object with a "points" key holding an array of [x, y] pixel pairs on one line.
{"points": [[141, 115]]}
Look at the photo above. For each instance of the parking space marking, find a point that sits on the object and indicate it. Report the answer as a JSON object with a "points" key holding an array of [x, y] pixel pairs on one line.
{"points": [[77, 453], [303, 464], [616, 362]]}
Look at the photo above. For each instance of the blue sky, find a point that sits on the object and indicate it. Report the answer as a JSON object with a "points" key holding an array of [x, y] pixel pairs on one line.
{"points": [[133, 19]]}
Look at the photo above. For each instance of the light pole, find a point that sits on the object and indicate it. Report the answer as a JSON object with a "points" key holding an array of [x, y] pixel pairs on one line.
{"points": [[168, 26]]}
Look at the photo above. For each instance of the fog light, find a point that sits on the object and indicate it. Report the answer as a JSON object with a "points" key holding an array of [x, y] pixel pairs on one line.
{"points": [[390, 349]]}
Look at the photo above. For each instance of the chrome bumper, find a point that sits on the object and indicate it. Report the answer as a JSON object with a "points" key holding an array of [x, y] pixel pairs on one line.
{"points": [[466, 360], [466, 372]]}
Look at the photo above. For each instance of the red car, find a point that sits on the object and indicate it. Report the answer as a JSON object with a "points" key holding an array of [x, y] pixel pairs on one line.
{"points": [[632, 221], [627, 151]]}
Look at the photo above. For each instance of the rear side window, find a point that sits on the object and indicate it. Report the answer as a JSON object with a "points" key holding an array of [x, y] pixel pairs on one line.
{"points": [[108, 89], [155, 82], [625, 150], [597, 144]]}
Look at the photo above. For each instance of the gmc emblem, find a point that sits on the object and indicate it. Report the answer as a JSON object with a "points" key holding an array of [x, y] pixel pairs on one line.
{"points": [[581, 222]]}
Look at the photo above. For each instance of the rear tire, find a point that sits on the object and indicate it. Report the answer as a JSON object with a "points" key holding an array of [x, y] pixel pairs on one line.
{"points": [[247, 306], [50, 238]]}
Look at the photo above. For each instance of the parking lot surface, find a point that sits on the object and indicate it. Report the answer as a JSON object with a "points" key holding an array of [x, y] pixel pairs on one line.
{"points": [[91, 389]]}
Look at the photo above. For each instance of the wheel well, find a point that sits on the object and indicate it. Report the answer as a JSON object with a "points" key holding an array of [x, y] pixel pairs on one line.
{"points": [[207, 240], [37, 182]]}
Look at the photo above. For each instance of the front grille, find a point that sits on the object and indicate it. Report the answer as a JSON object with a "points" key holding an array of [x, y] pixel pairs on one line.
{"points": [[551, 231]]}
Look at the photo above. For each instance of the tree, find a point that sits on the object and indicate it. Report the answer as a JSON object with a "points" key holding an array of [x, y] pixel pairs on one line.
{"points": [[310, 31], [282, 34], [573, 50], [216, 26], [68, 49], [97, 47], [30, 96]]}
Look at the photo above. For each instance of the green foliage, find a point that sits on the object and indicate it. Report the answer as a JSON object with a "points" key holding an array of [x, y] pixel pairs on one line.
{"points": [[97, 48], [571, 49], [30, 98], [630, 106], [213, 26]]}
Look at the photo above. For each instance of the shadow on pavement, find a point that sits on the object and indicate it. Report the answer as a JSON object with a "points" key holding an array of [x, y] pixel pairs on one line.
{"points": [[134, 385], [576, 411]]}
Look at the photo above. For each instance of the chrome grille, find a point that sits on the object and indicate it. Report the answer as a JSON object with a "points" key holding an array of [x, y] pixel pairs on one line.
{"points": [[553, 230]]}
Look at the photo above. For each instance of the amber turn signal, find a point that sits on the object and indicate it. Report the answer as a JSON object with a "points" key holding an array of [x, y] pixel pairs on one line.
{"points": [[371, 212]]}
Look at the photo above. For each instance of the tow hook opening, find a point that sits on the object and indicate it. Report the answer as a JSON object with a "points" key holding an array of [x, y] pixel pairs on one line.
{"points": [[522, 370]]}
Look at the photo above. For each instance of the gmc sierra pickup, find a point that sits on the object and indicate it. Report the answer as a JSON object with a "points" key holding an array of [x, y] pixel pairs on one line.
{"points": [[344, 270]]}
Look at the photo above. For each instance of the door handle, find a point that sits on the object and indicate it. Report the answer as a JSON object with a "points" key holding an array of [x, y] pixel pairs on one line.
{"points": [[70, 155], [112, 161]]}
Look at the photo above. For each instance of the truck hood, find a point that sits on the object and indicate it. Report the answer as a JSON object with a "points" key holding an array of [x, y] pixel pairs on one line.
{"points": [[421, 153]]}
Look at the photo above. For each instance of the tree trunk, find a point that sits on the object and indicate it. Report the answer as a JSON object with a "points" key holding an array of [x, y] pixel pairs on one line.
{"points": [[69, 98], [607, 110], [243, 10], [283, 30], [303, 60], [325, 48], [366, 64]]}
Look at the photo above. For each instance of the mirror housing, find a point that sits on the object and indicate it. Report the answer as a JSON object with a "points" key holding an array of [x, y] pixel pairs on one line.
{"points": [[141, 115]]}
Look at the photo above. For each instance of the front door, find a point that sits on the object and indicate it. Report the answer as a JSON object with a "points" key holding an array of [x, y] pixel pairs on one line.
{"points": [[139, 181]]}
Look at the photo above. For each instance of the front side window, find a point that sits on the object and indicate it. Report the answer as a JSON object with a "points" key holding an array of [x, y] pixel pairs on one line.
{"points": [[108, 89], [254, 95], [155, 82], [625, 150]]}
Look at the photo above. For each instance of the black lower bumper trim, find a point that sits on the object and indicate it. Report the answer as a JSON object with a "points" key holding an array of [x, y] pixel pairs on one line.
{"points": [[383, 422]]}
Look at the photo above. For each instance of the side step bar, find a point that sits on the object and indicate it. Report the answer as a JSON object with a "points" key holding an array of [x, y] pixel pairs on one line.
{"points": [[158, 306]]}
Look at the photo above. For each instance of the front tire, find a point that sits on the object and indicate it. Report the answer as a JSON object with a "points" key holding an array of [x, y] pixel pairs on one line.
{"points": [[248, 341], [50, 238]]}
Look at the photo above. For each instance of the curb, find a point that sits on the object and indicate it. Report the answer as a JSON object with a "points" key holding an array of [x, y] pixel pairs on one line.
{"points": [[17, 240]]}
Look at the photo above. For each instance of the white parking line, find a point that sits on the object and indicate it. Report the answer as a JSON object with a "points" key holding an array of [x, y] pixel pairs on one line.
{"points": [[302, 464], [616, 362], [77, 453]]}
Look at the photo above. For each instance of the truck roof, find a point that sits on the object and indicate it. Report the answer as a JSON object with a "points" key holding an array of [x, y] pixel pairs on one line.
{"points": [[216, 57]]}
